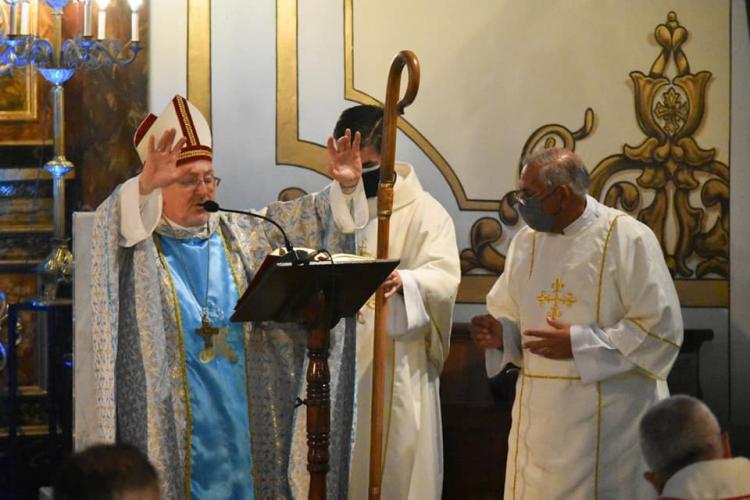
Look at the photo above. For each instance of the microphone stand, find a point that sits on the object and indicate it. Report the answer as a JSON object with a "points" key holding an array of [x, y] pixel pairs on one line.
{"points": [[211, 206]]}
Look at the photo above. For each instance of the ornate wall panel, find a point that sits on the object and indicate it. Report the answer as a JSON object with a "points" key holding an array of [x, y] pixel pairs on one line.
{"points": [[667, 180]]}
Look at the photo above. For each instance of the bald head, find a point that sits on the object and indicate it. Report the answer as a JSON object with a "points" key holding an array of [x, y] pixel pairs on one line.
{"points": [[553, 187], [677, 432], [560, 167]]}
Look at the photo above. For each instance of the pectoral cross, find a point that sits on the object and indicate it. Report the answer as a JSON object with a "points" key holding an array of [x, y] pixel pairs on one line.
{"points": [[208, 332]]}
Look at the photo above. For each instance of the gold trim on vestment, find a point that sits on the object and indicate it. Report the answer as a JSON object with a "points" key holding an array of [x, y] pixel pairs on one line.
{"points": [[692, 293], [199, 55], [235, 278], [192, 154], [550, 377], [185, 119], [598, 436], [390, 406], [533, 253], [227, 254], [657, 337], [518, 433], [183, 362], [601, 268]]}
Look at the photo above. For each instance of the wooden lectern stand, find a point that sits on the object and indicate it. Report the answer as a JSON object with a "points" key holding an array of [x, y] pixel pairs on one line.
{"points": [[317, 294]]}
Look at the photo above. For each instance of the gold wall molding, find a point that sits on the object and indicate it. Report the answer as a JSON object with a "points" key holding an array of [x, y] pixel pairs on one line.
{"points": [[353, 94], [199, 55], [692, 293], [292, 150]]}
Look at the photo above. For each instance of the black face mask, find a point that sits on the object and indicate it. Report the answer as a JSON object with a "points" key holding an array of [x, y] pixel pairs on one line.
{"points": [[370, 180]]}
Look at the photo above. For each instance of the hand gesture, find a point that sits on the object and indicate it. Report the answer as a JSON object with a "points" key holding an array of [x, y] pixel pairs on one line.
{"points": [[487, 332], [344, 160], [160, 168], [392, 284], [553, 343]]}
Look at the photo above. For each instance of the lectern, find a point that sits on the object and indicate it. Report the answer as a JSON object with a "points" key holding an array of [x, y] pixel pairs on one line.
{"points": [[317, 294]]}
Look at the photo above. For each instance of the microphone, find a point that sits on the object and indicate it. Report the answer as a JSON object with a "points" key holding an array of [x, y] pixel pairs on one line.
{"points": [[212, 206]]}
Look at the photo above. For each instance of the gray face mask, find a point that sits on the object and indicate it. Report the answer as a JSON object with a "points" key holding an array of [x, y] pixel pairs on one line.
{"points": [[536, 218]]}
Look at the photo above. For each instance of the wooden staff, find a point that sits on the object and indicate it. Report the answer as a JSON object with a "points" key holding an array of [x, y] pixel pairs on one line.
{"points": [[385, 204]]}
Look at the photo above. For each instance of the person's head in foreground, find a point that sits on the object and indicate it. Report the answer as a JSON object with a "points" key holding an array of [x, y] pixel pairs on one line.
{"points": [[682, 445], [367, 121], [107, 472], [552, 189], [179, 134]]}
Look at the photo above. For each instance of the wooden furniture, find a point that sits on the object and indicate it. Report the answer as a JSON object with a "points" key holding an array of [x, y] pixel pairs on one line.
{"points": [[317, 294], [476, 421]]}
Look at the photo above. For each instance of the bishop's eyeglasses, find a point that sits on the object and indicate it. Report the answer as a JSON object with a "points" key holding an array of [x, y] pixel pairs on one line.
{"points": [[211, 182]]}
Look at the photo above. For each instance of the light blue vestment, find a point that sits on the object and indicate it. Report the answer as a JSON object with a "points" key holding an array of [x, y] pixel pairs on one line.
{"points": [[153, 391], [221, 465]]}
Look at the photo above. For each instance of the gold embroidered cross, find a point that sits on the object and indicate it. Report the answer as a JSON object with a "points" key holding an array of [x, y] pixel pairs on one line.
{"points": [[214, 339], [556, 299]]}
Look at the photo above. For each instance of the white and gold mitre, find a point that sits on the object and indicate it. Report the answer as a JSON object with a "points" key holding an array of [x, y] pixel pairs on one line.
{"points": [[189, 122]]}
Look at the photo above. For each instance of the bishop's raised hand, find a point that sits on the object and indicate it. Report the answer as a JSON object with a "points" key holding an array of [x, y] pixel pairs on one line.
{"points": [[160, 168], [344, 159]]}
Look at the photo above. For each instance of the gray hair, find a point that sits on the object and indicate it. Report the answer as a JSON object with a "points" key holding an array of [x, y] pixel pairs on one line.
{"points": [[561, 167], [679, 431]]}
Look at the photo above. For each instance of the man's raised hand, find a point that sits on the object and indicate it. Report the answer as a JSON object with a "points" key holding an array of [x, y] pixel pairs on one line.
{"points": [[160, 168], [344, 160]]}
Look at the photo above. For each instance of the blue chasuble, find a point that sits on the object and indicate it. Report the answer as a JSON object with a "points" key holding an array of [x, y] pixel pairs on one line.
{"points": [[220, 452]]}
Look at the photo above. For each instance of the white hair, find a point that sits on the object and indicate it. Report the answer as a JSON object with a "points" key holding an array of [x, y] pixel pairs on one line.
{"points": [[677, 432], [568, 169]]}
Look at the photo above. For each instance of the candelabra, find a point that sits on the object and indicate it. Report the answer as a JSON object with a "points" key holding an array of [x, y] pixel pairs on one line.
{"points": [[57, 61]]}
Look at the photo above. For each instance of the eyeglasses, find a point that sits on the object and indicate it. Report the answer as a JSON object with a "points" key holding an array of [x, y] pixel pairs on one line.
{"points": [[520, 197], [210, 181]]}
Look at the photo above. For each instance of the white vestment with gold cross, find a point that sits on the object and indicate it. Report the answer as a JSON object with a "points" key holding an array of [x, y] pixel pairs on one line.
{"points": [[422, 236], [575, 422]]}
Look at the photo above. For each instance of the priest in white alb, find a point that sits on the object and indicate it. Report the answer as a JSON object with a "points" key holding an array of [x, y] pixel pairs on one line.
{"points": [[210, 402], [421, 294], [586, 308]]}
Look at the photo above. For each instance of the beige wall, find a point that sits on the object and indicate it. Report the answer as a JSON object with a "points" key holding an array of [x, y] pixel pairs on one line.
{"points": [[490, 78]]}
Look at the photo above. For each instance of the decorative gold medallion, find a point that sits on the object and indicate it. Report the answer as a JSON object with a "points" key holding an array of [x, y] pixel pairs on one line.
{"points": [[223, 348], [556, 299]]}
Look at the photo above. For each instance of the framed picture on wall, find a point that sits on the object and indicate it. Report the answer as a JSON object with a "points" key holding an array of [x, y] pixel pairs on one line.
{"points": [[24, 118]]}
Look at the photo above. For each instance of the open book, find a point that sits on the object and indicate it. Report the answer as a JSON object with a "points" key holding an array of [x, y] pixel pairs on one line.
{"points": [[308, 254], [280, 287]]}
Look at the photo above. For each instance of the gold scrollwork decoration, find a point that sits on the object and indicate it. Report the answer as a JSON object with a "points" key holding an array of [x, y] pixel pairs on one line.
{"points": [[486, 232], [669, 111], [656, 181]]}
